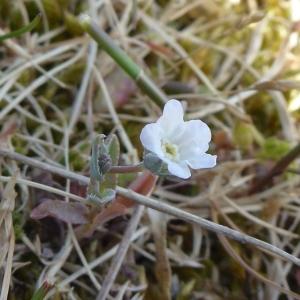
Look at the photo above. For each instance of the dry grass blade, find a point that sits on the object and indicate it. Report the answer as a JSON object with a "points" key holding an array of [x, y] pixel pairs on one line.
{"points": [[245, 239], [162, 268], [280, 85], [259, 221], [7, 236], [163, 207], [120, 128], [233, 64], [44, 188], [98, 261], [121, 252], [233, 253]]}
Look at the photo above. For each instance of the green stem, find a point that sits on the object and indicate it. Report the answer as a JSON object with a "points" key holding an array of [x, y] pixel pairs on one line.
{"points": [[41, 293], [126, 169], [124, 61], [22, 30]]}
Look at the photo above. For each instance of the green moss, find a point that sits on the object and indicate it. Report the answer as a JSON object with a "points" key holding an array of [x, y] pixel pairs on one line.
{"points": [[264, 114], [15, 18], [186, 290], [5, 9], [243, 135], [20, 145], [27, 76], [53, 12], [274, 149], [76, 160], [17, 221], [73, 74]]}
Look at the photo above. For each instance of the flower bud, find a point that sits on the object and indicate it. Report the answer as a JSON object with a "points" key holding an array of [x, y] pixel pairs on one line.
{"points": [[154, 164], [104, 163], [101, 161]]}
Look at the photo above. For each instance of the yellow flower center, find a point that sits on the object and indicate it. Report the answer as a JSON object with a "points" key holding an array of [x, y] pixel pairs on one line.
{"points": [[170, 150]]}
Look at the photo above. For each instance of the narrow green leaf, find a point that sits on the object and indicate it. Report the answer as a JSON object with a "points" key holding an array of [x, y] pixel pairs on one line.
{"points": [[22, 30], [41, 293]]}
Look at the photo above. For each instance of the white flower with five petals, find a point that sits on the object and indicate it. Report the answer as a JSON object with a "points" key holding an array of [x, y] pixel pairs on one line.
{"points": [[177, 143]]}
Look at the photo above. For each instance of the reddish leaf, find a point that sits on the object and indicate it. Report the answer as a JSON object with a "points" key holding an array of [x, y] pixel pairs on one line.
{"points": [[75, 213], [9, 128], [160, 49], [124, 92], [144, 184], [297, 276], [120, 87], [222, 140], [77, 188], [296, 26]]}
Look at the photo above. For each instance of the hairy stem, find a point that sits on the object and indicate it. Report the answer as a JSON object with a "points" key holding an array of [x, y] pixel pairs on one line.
{"points": [[162, 207], [126, 169]]}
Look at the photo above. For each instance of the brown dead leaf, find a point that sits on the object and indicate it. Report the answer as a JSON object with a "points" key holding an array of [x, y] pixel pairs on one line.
{"points": [[75, 213], [222, 140], [160, 49], [7, 240]]}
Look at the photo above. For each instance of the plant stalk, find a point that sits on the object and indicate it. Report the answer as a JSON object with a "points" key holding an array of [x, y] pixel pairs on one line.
{"points": [[160, 206], [126, 169], [123, 60]]}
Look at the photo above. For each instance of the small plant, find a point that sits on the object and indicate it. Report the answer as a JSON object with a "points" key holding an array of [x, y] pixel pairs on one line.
{"points": [[171, 147]]}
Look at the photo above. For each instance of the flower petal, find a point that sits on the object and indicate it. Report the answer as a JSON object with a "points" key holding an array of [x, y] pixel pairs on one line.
{"points": [[173, 109], [151, 138], [202, 161], [191, 140], [190, 149], [172, 118], [195, 133], [179, 169]]}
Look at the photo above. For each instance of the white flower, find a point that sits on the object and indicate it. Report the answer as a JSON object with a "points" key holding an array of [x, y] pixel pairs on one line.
{"points": [[178, 143]]}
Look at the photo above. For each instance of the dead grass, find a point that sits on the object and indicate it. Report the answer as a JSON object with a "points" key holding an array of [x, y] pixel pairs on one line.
{"points": [[57, 89]]}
